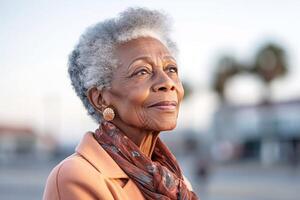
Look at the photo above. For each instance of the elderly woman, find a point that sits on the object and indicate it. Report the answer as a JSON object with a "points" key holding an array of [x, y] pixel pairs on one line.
{"points": [[124, 70]]}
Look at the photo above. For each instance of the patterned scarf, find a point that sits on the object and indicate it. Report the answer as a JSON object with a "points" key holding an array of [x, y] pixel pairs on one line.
{"points": [[159, 178]]}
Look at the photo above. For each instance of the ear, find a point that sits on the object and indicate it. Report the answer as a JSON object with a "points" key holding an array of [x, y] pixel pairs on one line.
{"points": [[95, 97]]}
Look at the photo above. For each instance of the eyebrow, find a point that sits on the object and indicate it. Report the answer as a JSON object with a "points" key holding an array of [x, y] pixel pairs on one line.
{"points": [[148, 59]]}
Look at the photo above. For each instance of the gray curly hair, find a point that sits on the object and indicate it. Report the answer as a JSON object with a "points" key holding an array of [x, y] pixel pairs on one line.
{"points": [[92, 61]]}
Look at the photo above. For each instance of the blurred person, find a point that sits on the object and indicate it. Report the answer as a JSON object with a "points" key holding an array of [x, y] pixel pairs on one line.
{"points": [[125, 72]]}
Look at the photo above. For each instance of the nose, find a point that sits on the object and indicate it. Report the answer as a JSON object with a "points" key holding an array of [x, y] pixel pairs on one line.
{"points": [[163, 83]]}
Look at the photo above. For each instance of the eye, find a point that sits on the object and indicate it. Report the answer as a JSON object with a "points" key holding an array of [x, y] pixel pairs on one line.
{"points": [[142, 72], [172, 69]]}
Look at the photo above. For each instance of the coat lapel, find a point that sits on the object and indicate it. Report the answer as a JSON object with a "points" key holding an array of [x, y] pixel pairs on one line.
{"points": [[90, 149]]}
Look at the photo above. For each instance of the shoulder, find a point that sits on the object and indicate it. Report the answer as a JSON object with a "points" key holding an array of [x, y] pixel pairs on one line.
{"points": [[74, 168], [75, 178]]}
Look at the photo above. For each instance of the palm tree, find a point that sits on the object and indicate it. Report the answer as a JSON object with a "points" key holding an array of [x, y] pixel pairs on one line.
{"points": [[270, 63], [226, 68]]}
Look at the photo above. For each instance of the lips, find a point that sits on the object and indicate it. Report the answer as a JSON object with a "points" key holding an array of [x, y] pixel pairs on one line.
{"points": [[165, 105]]}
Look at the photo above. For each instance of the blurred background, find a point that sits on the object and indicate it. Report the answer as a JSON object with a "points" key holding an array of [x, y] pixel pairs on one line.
{"points": [[238, 133]]}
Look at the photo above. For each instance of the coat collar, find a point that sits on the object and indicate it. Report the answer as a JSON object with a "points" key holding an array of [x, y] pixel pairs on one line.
{"points": [[90, 149]]}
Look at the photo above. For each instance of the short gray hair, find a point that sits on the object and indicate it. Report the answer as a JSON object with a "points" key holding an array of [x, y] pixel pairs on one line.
{"points": [[92, 61]]}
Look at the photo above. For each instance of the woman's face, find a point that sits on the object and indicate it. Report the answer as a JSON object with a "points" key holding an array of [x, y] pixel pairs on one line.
{"points": [[146, 90]]}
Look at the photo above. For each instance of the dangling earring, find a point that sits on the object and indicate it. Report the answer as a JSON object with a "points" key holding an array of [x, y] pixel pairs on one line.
{"points": [[108, 114]]}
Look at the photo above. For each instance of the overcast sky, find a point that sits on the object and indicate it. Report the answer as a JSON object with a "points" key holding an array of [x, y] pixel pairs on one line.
{"points": [[36, 37]]}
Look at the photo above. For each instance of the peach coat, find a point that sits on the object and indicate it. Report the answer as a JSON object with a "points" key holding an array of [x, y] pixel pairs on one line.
{"points": [[90, 173]]}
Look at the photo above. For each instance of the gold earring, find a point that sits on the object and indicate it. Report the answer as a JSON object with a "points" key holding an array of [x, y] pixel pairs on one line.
{"points": [[108, 114]]}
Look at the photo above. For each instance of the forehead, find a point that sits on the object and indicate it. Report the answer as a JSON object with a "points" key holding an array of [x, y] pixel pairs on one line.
{"points": [[141, 47]]}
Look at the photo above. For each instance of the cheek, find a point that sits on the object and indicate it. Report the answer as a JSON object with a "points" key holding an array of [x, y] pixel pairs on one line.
{"points": [[136, 97], [138, 106], [137, 114], [130, 105]]}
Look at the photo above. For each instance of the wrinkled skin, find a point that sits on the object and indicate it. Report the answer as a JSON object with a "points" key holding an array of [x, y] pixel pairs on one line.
{"points": [[147, 74]]}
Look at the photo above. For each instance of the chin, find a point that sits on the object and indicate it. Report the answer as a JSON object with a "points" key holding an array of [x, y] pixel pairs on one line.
{"points": [[166, 126]]}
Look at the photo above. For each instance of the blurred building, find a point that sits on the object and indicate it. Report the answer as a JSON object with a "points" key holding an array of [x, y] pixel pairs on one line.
{"points": [[268, 132], [17, 142]]}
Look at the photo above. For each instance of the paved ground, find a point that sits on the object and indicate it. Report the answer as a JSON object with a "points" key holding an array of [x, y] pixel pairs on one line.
{"points": [[24, 181], [249, 181]]}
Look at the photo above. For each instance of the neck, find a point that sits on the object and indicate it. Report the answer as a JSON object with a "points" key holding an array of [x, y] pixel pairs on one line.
{"points": [[144, 139]]}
